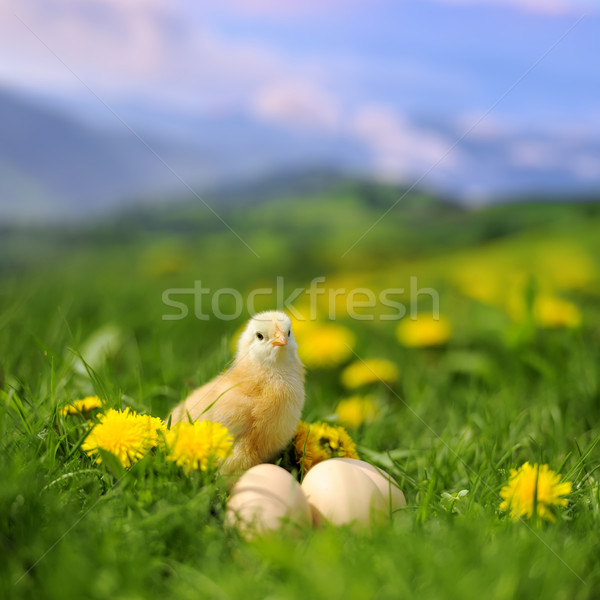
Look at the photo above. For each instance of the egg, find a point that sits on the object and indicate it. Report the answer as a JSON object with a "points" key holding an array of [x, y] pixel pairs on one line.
{"points": [[339, 493], [392, 494], [266, 498]]}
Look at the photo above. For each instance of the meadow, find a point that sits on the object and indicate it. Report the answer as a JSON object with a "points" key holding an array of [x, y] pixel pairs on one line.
{"points": [[513, 377]]}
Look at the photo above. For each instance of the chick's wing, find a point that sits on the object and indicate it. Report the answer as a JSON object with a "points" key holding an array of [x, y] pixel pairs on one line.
{"points": [[222, 400]]}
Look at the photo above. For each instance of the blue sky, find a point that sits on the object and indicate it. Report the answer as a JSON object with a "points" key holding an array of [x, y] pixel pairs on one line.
{"points": [[404, 78]]}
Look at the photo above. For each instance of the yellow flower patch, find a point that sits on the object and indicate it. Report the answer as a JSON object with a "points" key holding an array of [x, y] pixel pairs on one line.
{"points": [[323, 345], [425, 331], [369, 370], [125, 434], [552, 311], [316, 442], [84, 405], [200, 445], [356, 410]]}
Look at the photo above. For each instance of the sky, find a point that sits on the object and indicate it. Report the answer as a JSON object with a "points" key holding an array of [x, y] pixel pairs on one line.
{"points": [[407, 79]]}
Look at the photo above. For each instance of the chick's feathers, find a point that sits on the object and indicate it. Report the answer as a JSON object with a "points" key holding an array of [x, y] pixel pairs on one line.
{"points": [[259, 398]]}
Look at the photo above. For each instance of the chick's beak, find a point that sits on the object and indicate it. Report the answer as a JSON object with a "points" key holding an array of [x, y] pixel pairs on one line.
{"points": [[279, 339]]}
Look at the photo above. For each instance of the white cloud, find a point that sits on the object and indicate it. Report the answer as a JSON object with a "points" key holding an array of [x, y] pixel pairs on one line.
{"points": [[399, 148]]}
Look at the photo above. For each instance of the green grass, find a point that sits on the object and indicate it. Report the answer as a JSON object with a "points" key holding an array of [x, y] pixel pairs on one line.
{"points": [[459, 417]]}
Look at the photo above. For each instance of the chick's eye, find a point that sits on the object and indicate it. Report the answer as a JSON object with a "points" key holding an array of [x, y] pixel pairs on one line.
{"points": [[289, 332], [260, 336]]}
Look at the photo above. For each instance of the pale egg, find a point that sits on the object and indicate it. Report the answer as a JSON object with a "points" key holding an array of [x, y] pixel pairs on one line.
{"points": [[339, 493], [386, 484], [266, 498]]}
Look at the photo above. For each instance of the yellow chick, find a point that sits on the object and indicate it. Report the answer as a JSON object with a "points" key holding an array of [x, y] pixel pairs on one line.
{"points": [[259, 398]]}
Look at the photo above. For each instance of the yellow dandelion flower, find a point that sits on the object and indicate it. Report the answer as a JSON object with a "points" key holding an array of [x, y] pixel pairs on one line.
{"points": [[84, 405], [369, 370], [316, 442], [154, 428], [551, 311], [533, 488], [123, 433], [425, 331], [356, 410], [323, 345], [199, 445]]}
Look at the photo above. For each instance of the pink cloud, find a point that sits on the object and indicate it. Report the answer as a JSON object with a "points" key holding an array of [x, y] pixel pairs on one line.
{"points": [[139, 47], [586, 166], [297, 103], [535, 154], [546, 7], [399, 148], [102, 42], [292, 8]]}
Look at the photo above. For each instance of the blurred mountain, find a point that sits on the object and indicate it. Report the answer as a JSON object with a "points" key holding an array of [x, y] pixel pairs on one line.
{"points": [[53, 166], [57, 164]]}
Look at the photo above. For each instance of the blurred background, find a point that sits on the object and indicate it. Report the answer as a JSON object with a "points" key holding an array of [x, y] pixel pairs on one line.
{"points": [[107, 104], [147, 145]]}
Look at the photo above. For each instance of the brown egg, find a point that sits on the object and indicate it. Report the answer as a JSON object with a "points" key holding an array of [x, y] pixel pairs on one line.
{"points": [[339, 493], [393, 495], [266, 498]]}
